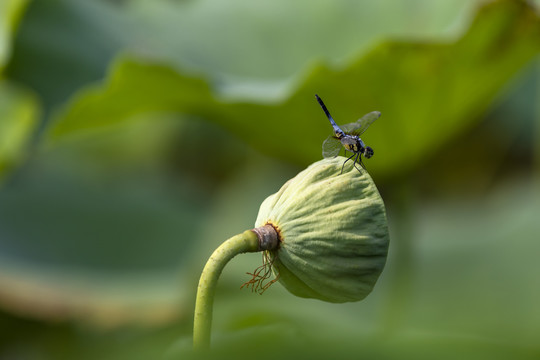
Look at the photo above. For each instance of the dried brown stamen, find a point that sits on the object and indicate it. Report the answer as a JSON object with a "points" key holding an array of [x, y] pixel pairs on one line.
{"points": [[260, 276]]}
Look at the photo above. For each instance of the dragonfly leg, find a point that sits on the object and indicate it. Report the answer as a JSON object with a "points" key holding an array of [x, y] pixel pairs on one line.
{"points": [[360, 162], [349, 158]]}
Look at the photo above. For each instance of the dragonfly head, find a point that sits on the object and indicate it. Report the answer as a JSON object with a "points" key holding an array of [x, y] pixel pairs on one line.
{"points": [[368, 152]]}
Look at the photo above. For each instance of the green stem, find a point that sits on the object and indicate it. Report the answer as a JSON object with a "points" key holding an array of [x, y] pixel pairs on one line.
{"points": [[245, 242]]}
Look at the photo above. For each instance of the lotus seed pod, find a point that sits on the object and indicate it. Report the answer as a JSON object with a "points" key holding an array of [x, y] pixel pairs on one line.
{"points": [[333, 232]]}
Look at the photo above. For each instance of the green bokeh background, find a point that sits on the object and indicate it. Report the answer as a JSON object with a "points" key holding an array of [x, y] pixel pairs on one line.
{"points": [[136, 136]]}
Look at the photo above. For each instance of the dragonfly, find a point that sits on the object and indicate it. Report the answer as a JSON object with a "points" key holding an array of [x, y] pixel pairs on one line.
{"points": [[348, 137]]}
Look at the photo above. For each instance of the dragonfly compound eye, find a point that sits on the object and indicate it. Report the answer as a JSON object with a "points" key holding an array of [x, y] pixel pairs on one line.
{"points": [[368, 152]]}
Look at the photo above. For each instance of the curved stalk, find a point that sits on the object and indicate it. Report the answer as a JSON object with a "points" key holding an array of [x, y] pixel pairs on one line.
{"points": [[249, 241]]}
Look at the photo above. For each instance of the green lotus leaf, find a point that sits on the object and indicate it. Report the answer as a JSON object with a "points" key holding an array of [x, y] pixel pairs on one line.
{"points": [[19, 111], [427, 94]]}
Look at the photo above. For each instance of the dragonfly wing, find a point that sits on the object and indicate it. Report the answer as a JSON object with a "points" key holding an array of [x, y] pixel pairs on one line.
{"points": [[331, 147], [361, 125]]}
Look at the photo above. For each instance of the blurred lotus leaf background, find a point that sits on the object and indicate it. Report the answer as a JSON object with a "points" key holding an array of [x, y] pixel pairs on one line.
{"points": [[136, 136]]}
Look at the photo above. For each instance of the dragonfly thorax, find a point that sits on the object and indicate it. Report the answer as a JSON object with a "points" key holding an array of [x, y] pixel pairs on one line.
{"points": [[352, 143]]}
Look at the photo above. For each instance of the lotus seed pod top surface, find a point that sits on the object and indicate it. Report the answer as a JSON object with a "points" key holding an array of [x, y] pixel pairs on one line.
{"points": [[333, 232]]}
